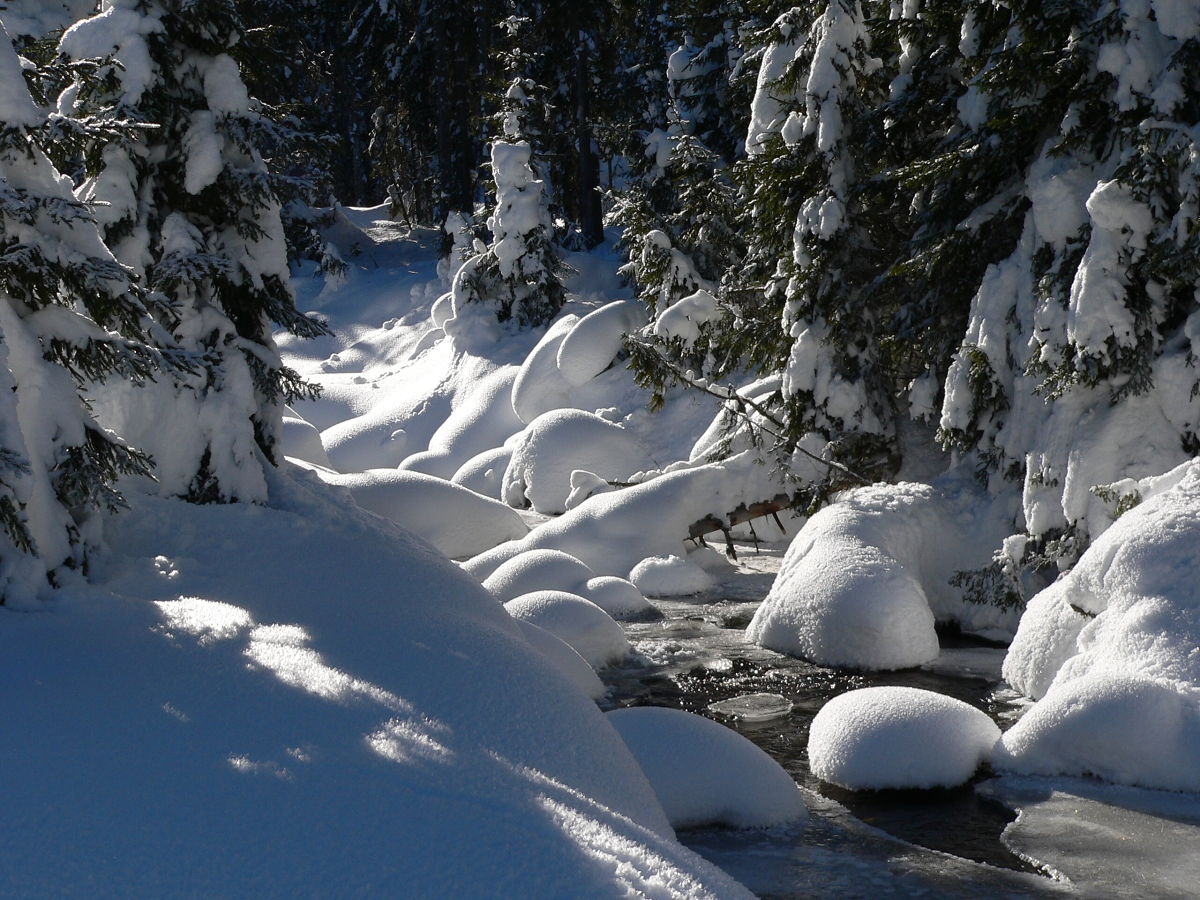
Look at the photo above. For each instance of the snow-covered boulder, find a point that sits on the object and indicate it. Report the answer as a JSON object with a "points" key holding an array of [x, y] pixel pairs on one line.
{"points": [[669, 576], [864, 581], [619, 598], [898, 737], [459, 522], [538, 570], [565, 659], [706, 774], [540, 386], [559, 442], [484, 473], [1110, 649], [595, 340], [483, 421], [582, 624], [298, 439], [613, 532]]}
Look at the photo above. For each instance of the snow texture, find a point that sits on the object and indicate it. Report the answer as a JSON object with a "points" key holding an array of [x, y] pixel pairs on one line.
{"points": [[898, 737], [1110, 652], [866, 578], [564, 658], [594, 341], [670, 576], [558, 442], [538, 570], [619, 598], [484, 473], [706, 774], [582, 624]]}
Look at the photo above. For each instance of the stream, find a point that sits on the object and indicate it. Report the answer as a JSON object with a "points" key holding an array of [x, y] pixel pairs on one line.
{"points": [[869, 844]]}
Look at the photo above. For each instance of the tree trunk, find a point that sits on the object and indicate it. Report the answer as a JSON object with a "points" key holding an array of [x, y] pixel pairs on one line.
{"points": [[591, 223]]}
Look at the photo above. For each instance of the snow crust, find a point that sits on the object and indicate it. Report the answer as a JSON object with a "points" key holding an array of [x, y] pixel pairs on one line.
{"points": [[898, 737], [586, 627], [866, 578], [706, 774], [1109, 651]]}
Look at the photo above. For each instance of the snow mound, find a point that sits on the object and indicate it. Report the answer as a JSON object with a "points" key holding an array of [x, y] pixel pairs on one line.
{"points": [[577, 621], [613, 532], [484, 421], [705, 773], [619, 598], [539, 386], [457, 521], [669, 576], [538, 570], [1110, 649], [484, 473], [898, 737], [564, 658], [863, 582], [300, 440], [595, 340], [559, 442]]}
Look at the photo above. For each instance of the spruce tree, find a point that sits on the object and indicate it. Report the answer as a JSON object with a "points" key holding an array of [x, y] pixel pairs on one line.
{"points": [[194, 210]]}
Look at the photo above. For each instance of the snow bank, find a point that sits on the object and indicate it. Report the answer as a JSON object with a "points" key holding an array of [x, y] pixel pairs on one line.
{"points": [[484, 473], [538, 570], [864, 581], [705, 773], [301, 700], [564, 658], [559, 442], [1110, 650], [457, 521], [577, 621], [898, 737], [300, 440], [540, 386], [669, 576], [595, 340], [612, 532]]}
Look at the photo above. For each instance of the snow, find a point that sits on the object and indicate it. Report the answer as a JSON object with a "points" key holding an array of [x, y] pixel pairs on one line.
{"points": [[540, 385], [1109, 652], [682, 319], [564, 658], [594, 341], [484, 473], [898, 737], [301, 440], [866, 578], [619, 598], [457, 521], [706, 774], [538, 570], [558, 442], [302, 698], [38, 18], [670, 576], [577, 621]]}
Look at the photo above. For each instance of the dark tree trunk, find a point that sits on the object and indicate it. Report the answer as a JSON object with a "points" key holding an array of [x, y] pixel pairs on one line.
{"points": [[591, 223]]}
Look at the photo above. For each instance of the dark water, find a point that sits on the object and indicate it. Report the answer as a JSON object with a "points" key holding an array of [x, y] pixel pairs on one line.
{"points": [[695, 656]]}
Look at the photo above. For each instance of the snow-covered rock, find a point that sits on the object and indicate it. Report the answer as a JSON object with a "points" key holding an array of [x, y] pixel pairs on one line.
{"points": [[538, 570], [706, 774], [559, 442], [669, 576], [457, 521], [540, 386], [582, 624], [565, 659], [300, 440], [595, 340], [898, 737], [484, 473], [864, 581], [1110, 650], [619, 598]]}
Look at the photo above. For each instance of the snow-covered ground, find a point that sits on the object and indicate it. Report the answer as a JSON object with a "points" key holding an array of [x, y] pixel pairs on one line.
{"points": [[309, 697]]}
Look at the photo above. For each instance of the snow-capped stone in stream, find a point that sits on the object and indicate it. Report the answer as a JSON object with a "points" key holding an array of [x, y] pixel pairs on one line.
{"points": [[863, 581], [1111, 650], [581, 623], [669, 576], [538, 570], [565, 658], [619, 598], [898, 737], [706, 774], [561, 441]]}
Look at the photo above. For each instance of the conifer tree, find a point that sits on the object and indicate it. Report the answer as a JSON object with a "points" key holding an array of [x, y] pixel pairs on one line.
{"points": [[194, 210]]}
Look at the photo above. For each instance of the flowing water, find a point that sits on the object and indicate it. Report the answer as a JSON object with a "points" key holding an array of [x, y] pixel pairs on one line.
{"points": [[940, 843]]}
